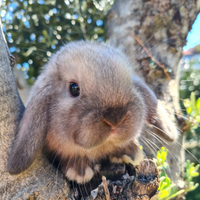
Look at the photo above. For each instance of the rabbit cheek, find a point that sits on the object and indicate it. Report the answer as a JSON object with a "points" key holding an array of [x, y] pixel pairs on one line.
{"points": [[90, 132], [91, 135]]}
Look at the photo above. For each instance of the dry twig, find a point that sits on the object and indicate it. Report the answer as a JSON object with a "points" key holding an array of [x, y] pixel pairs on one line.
{"points": [[150, 55], [105, 188]]}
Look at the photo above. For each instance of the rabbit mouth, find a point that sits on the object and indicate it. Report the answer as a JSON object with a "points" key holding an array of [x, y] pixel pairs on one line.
{"points": [[113, 136]]}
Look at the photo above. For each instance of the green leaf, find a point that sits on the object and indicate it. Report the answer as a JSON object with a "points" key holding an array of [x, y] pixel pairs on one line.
{"points": [[194, 174], [163, 194], [198, 104], [194, 187], [193, 101], [176, 194]]}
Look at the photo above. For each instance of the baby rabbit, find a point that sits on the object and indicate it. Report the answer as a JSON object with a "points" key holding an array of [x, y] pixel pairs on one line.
{"points": [[86, 105]]}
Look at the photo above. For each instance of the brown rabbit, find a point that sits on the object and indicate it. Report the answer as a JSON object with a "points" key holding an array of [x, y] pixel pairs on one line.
{"points": [[86, 105]]}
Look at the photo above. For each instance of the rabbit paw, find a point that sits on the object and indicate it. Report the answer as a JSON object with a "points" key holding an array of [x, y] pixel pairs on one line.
{"points": [[139, 157], [85, 176], [134, 160], [80, 170], [130, 154]]}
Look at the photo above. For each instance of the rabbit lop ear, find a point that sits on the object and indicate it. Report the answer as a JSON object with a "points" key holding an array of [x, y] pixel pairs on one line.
{"points": [[31, 133], [155, 113]]}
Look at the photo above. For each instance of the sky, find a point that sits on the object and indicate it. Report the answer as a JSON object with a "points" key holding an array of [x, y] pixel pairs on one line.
{"points": [[193, 37]]}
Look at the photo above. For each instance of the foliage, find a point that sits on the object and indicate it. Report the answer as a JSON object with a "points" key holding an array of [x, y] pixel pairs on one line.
{"points": [[169, 190], [37, 28], [192, 134], [191, 172], [189, 91], [192, 121], [189, 78], [193, 115]]}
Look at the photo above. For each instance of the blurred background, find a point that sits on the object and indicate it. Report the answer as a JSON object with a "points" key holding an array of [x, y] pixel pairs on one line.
{"points": [[36, 29]]}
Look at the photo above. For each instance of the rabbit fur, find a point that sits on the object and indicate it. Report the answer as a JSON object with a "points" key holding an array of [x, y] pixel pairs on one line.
{"points": [[105, 120]]}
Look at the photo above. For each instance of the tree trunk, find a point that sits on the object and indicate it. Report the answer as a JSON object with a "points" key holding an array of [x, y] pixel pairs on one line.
{"points": [[152, 33], [41, 180]]}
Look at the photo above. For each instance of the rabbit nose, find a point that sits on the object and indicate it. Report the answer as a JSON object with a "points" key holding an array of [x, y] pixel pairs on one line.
{"points": [[114, 116]]}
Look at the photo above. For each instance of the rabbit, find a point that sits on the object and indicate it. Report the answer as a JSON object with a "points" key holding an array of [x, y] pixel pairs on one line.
{"points": [[88, 104]]}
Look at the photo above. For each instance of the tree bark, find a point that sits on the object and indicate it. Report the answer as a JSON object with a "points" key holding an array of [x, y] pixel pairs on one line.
{"points": [[41, 180], [152, 33]]}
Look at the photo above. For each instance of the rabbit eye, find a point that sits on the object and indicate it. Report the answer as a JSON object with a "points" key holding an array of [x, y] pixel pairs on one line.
{"points": [[74, 89]]}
